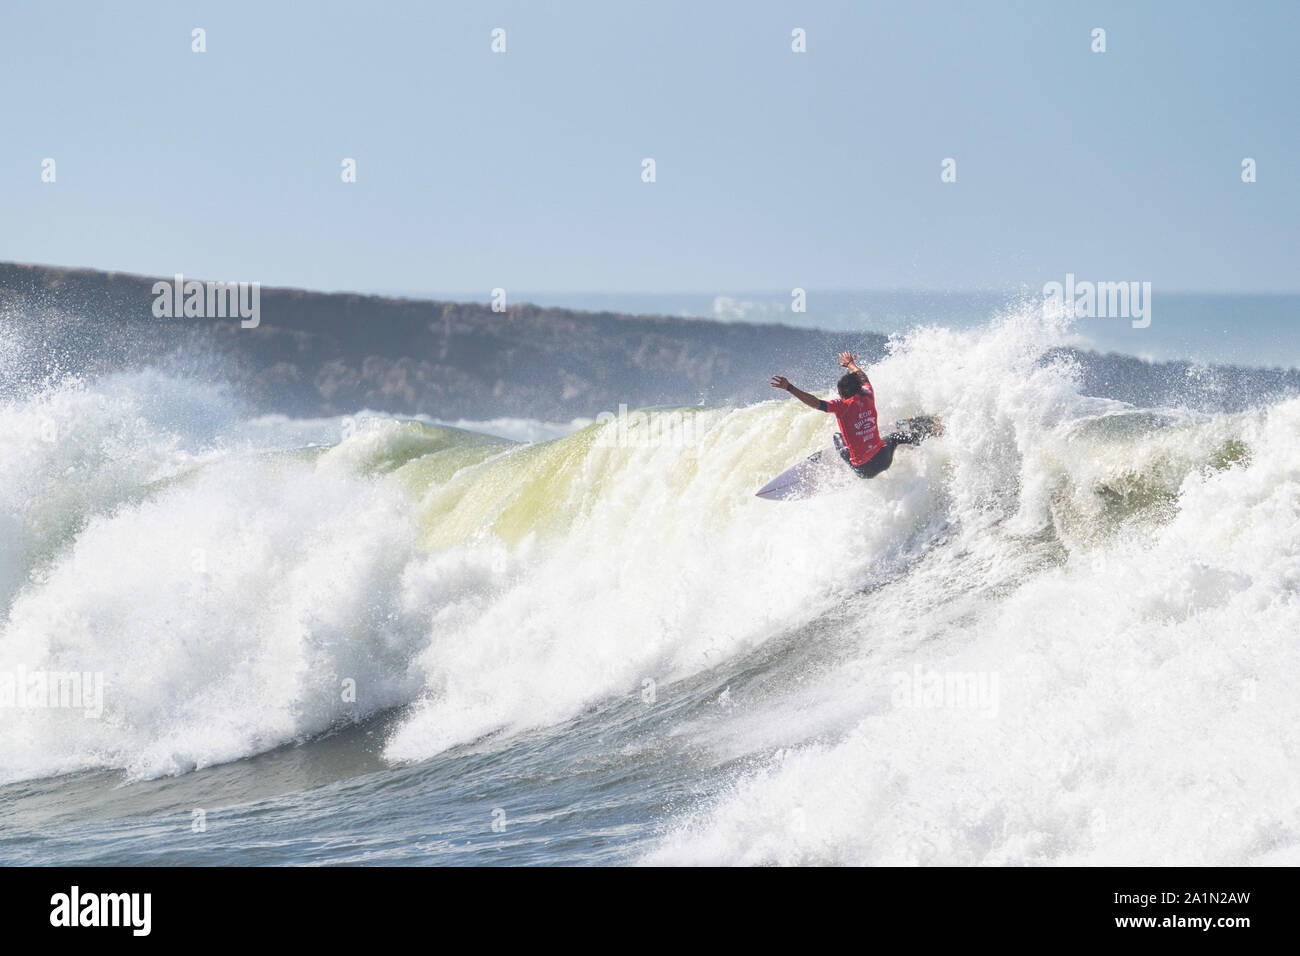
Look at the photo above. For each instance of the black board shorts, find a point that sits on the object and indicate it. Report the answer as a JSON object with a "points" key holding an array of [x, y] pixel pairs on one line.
{"points": [[909, 431]]}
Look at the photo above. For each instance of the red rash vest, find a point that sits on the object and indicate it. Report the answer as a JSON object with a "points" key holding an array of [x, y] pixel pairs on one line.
{"points": [[857, 420]]}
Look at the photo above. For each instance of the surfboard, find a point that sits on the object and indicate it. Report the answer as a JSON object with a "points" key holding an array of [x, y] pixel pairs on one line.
{"points": [[815, 473]]}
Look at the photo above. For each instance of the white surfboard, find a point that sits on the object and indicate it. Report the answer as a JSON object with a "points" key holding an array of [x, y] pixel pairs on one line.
{"points": [[815, 474]]}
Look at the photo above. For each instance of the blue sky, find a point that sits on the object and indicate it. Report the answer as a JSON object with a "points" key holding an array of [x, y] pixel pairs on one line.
{"points": [[774, 169]]}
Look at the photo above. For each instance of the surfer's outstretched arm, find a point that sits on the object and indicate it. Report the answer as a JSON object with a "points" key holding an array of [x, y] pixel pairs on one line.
{"points": [[850, 362], [812, 401]]}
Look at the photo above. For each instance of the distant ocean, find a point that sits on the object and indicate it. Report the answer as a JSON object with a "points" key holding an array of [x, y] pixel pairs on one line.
{"points": [[1226, 329]]}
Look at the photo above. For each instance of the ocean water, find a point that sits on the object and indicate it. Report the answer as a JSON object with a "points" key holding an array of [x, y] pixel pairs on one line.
{"points": [[1251, 330], [1063, 633]]}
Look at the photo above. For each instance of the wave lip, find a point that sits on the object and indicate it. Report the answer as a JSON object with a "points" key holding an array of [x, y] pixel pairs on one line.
{"points": [[253, 601]]}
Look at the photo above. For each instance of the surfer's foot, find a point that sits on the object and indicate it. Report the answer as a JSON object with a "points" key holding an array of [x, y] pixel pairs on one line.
{"points": [[938, 425]]}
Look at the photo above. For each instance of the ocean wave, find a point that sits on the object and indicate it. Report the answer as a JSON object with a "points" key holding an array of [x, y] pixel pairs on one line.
{"points": [[245, 583]]}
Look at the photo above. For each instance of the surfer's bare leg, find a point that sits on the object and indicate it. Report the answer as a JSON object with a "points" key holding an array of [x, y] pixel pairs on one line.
{"points": [[917, 430], [913, 431]]}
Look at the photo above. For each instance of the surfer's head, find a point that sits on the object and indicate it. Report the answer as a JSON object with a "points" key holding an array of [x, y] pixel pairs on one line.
{"points": [[849, 385]]}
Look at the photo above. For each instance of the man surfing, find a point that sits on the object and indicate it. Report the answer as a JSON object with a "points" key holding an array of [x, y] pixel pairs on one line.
{"points": [[855, 410]]}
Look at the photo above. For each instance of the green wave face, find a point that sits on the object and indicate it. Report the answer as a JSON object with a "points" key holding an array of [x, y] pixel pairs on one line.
{"points": [[469, 488], [512, 491]]}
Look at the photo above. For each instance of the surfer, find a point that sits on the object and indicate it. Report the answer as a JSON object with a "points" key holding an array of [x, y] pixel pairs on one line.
{"points": [[859, 442]]}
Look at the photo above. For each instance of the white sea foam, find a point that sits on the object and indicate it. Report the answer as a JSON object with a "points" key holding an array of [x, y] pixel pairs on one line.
{"points": [[1145, 684], [1128, 577]]}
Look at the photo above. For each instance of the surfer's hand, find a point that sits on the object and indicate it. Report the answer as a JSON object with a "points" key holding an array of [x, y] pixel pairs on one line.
{"points": [[850, 362], [781, 382]]}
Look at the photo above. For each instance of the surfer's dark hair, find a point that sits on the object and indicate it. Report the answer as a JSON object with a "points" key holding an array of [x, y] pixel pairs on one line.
{"points": [[849, 385]]}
